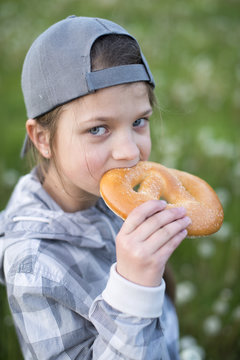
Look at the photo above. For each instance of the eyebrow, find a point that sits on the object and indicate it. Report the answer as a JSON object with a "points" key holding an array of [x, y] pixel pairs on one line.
{"points": [[147, 112]]}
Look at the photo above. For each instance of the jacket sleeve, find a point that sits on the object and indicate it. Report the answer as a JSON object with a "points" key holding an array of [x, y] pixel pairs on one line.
{"points": [[47, 320], [55, 322], [127, 317]]}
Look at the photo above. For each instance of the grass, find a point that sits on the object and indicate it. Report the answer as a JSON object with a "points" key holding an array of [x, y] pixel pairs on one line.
{"points": [[193, 50]]}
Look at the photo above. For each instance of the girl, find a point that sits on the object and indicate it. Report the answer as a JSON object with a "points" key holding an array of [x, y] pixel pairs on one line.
{"points": [[81, 283]]}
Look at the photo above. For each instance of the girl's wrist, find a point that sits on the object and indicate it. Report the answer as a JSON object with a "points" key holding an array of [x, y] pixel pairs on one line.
{"points": [[133, 299]]}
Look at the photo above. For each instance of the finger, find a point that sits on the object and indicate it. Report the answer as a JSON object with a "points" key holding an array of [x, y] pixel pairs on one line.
{"points": [[159, 220], [164, 253], [141, 213], [167, 233]]}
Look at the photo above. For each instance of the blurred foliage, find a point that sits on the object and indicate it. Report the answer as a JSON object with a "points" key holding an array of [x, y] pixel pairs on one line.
{"points": [[193, 50]]}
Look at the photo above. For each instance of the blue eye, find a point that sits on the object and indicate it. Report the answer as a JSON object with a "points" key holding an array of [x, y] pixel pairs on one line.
{"points": [[139, 122], [97, 130]]}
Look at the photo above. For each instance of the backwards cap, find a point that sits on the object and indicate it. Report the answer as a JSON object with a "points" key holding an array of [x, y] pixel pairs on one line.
{"points": [[57, 67]]}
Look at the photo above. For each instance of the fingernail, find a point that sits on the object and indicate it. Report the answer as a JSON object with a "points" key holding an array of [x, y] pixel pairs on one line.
{"points": [[182, 210], [188, 220]]}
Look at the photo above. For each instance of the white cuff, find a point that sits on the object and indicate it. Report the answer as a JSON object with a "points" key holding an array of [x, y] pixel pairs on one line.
{"points": [[133, 299]]}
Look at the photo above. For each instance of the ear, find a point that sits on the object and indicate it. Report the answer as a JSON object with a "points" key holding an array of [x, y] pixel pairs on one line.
{"points": [[39, 136]]}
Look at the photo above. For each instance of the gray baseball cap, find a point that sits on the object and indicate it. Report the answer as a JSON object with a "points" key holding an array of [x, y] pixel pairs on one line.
{"points": [[57, 67]]}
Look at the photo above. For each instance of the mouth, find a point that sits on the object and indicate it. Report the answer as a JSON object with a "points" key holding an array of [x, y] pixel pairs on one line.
{"points": [[125, 166]]}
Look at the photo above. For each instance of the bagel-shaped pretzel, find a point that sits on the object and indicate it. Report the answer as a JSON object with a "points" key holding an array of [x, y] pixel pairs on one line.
{"points": [[155, 181]]}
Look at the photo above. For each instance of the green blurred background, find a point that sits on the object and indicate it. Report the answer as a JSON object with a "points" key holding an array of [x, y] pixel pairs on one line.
{"points": [[193, 50]]}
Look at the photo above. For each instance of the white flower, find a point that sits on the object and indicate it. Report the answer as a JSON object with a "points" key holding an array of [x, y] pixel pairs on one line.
{"points": [[221, 307], [224, 233], [226, 294], [190, 350], [202, 73], [183, 93], [206, 248], [185, 292], [212, 325], [8, 321], [187, 342], [193, 353], [215, 147], [10, 177], [224, 196]]}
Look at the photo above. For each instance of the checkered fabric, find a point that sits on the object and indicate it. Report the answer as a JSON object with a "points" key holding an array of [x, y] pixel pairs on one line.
{"points": [[56, 266]]}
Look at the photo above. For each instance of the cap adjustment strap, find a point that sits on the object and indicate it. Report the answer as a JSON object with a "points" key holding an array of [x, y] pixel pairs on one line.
{"points": [[116, 75]]}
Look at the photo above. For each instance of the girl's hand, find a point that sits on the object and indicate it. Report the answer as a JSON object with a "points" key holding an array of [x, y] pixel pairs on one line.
{"points": [[147, 239]]}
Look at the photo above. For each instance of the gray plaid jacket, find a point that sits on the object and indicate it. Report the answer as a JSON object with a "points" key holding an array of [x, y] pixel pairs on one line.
{"points": [[66, 298]]}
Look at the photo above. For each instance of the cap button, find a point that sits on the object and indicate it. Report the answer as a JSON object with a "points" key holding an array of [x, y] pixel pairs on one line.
{"points": [[71, 16]]}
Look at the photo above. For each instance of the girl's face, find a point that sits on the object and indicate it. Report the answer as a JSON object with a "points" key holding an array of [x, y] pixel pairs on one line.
{"points": [[101, 131]]}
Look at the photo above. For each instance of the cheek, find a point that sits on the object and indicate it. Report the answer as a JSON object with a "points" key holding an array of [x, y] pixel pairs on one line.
{"points": [[94, 162], [146, 148]]}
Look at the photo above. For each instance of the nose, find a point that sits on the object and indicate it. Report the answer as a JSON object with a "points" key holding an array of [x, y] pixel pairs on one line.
{"points": [[125, 148]]}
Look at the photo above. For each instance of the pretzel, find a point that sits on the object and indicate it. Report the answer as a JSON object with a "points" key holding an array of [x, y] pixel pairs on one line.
{"points": [[155, 181]]}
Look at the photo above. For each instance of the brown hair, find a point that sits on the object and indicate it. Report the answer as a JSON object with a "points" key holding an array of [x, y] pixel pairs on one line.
{"points": [[115, 50], [48, 122]]}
